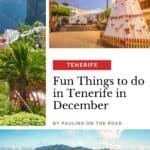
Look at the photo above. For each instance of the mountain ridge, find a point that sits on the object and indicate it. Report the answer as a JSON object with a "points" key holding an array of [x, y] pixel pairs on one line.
{"points": [[61, 147], [66, 147]]}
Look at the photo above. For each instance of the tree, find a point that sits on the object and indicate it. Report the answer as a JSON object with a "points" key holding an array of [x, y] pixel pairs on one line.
{"points": [[29, 39], [66, 4], [23, 69], [60, 10], [106, 13], [38, 24], [21, 27], [4, 99]]}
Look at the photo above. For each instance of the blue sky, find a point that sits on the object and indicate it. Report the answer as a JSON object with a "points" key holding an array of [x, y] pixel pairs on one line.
{"points": [[88, 138], [86, 4]]}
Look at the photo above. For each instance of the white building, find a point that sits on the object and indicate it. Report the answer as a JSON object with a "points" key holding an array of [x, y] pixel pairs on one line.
{"points": [[77, 19], [10, 35], [92, 18]]}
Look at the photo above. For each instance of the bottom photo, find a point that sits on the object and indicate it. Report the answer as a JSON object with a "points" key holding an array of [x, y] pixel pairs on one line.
{"points": [[74, 139]]}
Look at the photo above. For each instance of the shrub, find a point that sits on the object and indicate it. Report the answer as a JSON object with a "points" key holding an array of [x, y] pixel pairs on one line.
{"points": [[42, 111], [37, 108], [22, 119], [4, 98], [4, 88], [60, 10], [14, 108], [4, 105]]}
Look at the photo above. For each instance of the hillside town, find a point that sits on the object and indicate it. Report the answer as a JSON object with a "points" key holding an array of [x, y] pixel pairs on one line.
{"points": [[11, 35], [33, 22]]}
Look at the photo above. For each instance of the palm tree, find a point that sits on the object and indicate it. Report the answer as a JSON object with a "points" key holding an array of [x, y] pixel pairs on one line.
{"points": [[66, 4], [24, 70]]}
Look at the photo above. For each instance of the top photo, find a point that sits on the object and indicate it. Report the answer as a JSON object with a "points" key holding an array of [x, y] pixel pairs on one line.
{"points": [[99, 23]]}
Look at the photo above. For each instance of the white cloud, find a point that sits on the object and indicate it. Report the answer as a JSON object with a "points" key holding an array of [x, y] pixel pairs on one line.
{"points": [[135, 147], [109, 139], [110, 134], [70, 132]]}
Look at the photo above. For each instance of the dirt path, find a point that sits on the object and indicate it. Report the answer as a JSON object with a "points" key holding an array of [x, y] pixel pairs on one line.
{"points": [[79, 39]]}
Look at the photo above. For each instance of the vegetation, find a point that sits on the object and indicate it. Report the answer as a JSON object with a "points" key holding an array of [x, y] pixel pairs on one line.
{"points": [[28, 40], [23, 69], [105, 15], [34, 40], [4, 99], [21, 27], [59, 15], [107, 12], [4, 89], [66, 4], [4, 105], [37, 109], [22, 119], [22, 78], [60, 10], [38, 24]]}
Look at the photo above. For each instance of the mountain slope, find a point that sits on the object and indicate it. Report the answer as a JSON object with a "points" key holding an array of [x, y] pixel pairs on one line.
{"points": [[61, 147], [36, 10], [11, 12]]}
